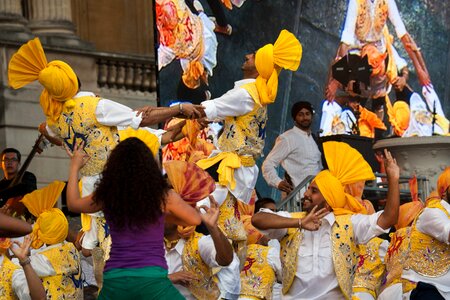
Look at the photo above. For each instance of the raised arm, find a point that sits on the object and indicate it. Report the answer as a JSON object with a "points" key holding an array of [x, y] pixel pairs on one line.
{"points": [[179, 212], [389, 216], [75, 202], [35, 287], [224, 251]]}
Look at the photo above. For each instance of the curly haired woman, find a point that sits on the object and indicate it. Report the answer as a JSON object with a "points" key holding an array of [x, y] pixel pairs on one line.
{"points": [[135, 199]]}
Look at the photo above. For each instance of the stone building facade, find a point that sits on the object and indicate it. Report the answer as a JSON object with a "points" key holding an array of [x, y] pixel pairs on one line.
{"points": [[108, 43]]}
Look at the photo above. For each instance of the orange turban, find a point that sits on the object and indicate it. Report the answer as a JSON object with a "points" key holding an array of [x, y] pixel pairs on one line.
{"points": [[58, 79], [407, 213], [443, 182], [51, 226], [286, 53], [346, 165], [376, 59]]}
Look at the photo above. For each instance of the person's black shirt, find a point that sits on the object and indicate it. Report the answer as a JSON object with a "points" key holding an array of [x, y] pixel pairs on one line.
{"points": [[27, 185]]}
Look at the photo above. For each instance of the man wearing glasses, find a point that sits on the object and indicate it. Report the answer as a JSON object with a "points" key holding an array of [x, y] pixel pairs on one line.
{"points": [[10, 166]]}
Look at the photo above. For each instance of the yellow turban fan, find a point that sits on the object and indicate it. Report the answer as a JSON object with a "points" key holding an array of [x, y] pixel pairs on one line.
{"points": [[443, 182], [346, 165], [58, 79], [285, 53], [51, 226]]}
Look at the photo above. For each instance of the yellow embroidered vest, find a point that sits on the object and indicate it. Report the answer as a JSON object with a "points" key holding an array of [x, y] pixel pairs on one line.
{"points": [[370, 269], [80, 123], [103, 236], [67, 283], [395, 260], [6, 271], [257, 276], [245, 134], [288, 253], [206, 285], [229, 220], [366, 23], [428, 256], [344, 250]]}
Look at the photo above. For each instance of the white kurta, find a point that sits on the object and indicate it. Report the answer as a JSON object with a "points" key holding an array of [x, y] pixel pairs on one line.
{"points": [[348, 35], [315, 277], [235, 102], [228, 284], [298, 154]]}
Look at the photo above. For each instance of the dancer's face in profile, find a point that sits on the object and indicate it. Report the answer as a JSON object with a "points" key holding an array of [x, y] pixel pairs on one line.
{"points": [[248, 67], [313, 197]]}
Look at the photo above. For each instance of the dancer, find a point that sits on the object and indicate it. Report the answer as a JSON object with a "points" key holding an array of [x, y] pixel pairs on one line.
{"points": [[137, 229], [318, 247]]}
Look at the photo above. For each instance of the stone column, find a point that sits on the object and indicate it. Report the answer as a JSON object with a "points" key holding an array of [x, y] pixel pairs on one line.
{"points": [[51, 20], [12, 22]]}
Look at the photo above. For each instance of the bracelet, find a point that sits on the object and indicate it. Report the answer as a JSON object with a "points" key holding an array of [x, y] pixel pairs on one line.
{"points": [[181, 108], [27, 261], [299, 223]]}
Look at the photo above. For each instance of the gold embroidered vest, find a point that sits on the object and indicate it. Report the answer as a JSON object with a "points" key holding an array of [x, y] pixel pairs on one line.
{"points": [[67, 283], [80, 124], [395, 260], [6, 272], [288, 253], [245, 134], [428, 256], [257, 276], [366, 23], [370, 269], [229, 220], [206, 286], [344, 251], [103, 236]]}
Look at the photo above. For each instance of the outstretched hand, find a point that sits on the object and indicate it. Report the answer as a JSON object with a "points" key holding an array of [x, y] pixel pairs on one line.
{"points": [[78, 156], [23, 251], [313, 220], [391, 166], [182, 277], [211, 215], [193, 111]]}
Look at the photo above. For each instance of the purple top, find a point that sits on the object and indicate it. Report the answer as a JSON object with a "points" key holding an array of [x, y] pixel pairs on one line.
{"points": [[132, 248]]}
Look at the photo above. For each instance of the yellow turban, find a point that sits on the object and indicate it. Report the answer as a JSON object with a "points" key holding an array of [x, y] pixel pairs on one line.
{"points": [[443, 182], [285, 53], [346, 166], [51, 226], [58, 79]]}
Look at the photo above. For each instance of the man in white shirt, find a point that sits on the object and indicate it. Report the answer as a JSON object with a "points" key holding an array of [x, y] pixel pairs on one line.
{"points": [[296, 150], [192, 260], [318, 248]]}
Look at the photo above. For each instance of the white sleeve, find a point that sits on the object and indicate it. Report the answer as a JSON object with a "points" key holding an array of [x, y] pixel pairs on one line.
{"points": [[400, 62], [41, 266], [435, 223], [329, 110], [273, 258], [277, 234], [111, 113], [396, 19], [279, 152], [236, 102], [230, 280], [348, 33], [20, 285], [207, 251], [365, 227], [382, 250]]}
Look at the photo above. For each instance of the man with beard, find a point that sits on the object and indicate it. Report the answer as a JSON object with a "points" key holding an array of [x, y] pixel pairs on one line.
{"points": [[296, 150]]}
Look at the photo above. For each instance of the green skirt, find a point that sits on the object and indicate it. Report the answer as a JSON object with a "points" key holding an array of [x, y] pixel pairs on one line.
{"points": [[139, 283]]}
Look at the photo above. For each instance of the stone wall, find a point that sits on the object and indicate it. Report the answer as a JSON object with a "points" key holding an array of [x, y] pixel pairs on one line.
{"points": [[317, 24]]}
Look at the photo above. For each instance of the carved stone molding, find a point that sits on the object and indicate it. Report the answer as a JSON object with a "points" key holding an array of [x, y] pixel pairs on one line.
{"points": [[423, 156]]}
